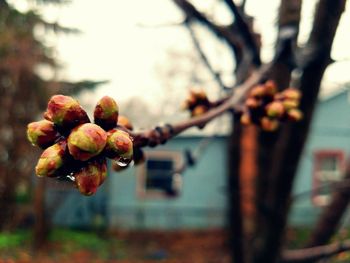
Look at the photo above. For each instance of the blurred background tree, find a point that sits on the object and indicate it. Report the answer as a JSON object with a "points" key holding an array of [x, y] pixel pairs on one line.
{"points": [[23, 96]]}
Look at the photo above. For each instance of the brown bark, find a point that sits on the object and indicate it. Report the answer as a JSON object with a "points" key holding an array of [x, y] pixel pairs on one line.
{"points": [[293, 136]]}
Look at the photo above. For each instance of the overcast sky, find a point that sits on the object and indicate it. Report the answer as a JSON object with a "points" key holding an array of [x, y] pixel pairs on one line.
{"points": [[113, 45]]}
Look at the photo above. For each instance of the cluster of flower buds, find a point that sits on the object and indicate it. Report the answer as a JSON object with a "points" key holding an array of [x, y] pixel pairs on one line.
{"points": [[197, 103], [76, 149], [266, 107]]}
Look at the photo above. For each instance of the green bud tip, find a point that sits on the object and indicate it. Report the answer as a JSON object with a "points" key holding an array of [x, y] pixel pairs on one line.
{"points": [[42, 133], [119, 144], [51, 160], [86, 141]]}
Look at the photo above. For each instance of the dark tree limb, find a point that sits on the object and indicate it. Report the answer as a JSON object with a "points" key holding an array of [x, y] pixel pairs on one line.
{"points": [[313, 254], [330, 219], [280, 73], [247, 36], [222, 32], [235, 220], [159, 135], [293, 136]]}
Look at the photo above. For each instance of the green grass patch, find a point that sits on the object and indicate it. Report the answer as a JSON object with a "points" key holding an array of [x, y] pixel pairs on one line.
{"points": [[13, 240]]}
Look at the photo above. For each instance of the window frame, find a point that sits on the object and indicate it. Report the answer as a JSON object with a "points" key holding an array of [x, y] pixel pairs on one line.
{"points": [[316, 198], [141, 173]]}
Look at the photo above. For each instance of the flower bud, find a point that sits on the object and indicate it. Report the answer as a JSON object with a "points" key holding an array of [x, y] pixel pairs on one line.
{"points": [[294, 115], [119, 145], [106, 113], [246, 119], [292, 94], [258, 91], [268, 124], [42, 133], [252, 103], [199, 110], [65, 112], [86, 141], [51, 160], [290, 104], [125, 122], [91, 176], [275, 109], [270, 87]]}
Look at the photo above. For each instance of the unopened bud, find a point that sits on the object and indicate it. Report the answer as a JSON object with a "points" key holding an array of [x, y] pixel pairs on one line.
{"points": [[90, 177], [51, 160], [106, 113], [86, 141], [42, 133], [65, 112], [199, 110], [270, 87], [252, 103], [246, 119], [275, 109], [258, 91], [268, 124], [294, 115], [292, 94], [290, 104], [119, 145], [125, 122]]}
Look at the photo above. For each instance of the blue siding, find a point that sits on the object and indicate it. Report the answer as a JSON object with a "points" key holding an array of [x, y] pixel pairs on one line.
{"points": [[201, 203], [330, 130]]}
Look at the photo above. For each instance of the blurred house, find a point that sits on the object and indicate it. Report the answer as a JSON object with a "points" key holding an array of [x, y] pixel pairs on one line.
{"points": [[155, 196], [324, 157]]}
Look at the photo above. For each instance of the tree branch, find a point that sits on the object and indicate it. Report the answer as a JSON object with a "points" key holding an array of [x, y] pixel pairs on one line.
{"points": [[293, 136], [314, 253], [204, 58], [246, 34], [160, 135], [221, 31]]}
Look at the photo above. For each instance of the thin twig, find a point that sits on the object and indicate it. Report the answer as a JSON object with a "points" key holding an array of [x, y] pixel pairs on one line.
{"points": [[314, 253], [160, 135], [204, 58], [245, 32]]}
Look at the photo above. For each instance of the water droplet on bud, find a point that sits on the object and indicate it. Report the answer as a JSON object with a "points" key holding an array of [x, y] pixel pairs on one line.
{"points": [[121, 161]]}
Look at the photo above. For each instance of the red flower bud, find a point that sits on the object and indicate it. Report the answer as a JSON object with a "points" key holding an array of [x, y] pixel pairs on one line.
{"points": [[51, 160], [270, 87], [268, 124], [294, 115], [199, 110], [91, 176], [65, 112], [125, 122], [86, 141], [290, 104], [292, 94], [106, 113], [246, 119], [119, 145], [258, 91], [42, 133], [275, 109], [252, 103]]}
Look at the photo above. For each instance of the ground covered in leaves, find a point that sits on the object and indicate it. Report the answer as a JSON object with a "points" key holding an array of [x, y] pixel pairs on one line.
{"points": [[122, 247], [200, 246]]}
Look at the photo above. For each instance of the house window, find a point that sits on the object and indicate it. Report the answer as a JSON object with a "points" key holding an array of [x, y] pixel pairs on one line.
{"points": [[328, 169], [158, 176]]}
